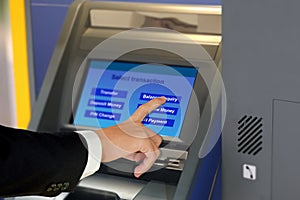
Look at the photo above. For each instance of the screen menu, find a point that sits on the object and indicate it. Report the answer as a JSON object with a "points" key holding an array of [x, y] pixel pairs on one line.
{"points": [[113, 91]]}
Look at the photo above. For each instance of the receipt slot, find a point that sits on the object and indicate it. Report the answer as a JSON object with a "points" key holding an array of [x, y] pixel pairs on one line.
{"points": [[94, 82]]}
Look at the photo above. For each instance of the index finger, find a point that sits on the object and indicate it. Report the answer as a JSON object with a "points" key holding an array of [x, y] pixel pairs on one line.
{"points": [[147, 108]]}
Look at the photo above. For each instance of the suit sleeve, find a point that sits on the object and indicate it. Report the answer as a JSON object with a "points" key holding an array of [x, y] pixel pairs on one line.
{"points": [[39, 163]]}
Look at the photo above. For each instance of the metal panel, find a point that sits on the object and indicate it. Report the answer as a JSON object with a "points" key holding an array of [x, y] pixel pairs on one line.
{"points": [[198, 2], [286, 160], [53, 2], [260, 63], [125, 188]]}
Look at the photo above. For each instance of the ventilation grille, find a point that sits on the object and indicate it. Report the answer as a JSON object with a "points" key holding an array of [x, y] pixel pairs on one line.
{"points": [[250, 135]]}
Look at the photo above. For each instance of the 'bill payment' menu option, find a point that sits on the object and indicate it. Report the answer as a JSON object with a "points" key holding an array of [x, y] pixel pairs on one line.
{"points": [[158, 121]]}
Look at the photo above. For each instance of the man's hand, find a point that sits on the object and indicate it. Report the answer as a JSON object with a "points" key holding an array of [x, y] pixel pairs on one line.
{"points": [[132, 140]]}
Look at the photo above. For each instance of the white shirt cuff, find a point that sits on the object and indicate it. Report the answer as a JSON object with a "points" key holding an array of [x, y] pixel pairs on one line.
{"points": [[94, 148]]}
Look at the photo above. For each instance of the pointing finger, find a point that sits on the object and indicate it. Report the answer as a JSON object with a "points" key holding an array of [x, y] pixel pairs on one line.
{"points": [[146, 108]]}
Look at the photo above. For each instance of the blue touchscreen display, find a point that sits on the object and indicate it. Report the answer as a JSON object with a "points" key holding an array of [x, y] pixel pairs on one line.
{"points": [[112, 91]]}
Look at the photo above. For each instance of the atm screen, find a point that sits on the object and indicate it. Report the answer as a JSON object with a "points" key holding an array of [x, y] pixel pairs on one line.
{"points": [[112, 91]]}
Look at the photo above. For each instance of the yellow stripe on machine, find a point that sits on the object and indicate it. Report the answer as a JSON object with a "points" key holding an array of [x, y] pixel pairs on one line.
{"points": [[20, 61]]}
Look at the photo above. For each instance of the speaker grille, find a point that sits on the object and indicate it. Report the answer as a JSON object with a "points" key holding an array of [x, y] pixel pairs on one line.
{"points": [[250, 135]]}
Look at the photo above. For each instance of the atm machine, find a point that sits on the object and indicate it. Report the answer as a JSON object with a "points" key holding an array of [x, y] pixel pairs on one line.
{"points": [[98, 76]]}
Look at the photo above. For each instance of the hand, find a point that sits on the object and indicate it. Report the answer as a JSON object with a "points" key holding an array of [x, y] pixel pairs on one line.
{"points": [[132, 140]]}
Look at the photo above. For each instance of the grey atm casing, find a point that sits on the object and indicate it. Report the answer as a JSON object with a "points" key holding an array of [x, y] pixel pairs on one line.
{"points": [[261, 75], [82, 31]]}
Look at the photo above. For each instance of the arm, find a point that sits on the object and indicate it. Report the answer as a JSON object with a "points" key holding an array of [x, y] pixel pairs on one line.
{"points": [[47, 164], [39, 163]]}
